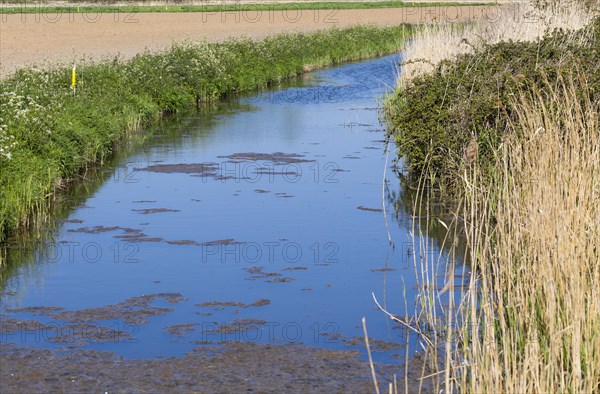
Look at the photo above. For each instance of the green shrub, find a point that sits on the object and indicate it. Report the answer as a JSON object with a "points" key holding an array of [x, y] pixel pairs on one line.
{"points": [[435, 117]]}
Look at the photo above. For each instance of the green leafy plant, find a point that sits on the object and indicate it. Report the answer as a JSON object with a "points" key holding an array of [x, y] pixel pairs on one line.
{"points": [[436, 115]]}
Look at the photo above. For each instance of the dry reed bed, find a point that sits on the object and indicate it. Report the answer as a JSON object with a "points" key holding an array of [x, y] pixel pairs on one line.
{"points": [[533, 322], [528, 317], [434, 43]]}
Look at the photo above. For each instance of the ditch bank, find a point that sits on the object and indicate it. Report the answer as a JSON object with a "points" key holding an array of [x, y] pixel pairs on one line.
{"points": [[50, 133]]}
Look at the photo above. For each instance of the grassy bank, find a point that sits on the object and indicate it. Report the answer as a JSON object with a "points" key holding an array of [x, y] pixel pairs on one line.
{"points": [[48, 134], [512, 129], [106, 7]]}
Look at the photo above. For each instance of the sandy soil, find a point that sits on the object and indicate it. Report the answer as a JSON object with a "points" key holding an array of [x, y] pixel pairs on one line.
{"points": [[41, 39]]}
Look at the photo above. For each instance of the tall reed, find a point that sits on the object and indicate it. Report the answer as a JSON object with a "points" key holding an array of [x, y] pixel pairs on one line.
{"points": [[532, 324], [527, 316]]}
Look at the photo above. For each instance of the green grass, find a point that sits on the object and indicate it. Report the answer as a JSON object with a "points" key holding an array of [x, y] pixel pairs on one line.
{"points": [[105, 7], [49, 135]]}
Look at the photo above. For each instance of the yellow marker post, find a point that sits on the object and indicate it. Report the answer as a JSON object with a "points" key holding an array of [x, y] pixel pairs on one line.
{"points": [[74, 78]]}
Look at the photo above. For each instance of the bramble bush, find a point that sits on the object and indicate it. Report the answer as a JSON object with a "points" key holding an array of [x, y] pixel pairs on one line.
{"points": [[436, 115]]}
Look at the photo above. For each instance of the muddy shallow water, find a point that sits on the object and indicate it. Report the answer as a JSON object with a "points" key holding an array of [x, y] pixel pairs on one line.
{"points": [[228, 245], [232, 367]]}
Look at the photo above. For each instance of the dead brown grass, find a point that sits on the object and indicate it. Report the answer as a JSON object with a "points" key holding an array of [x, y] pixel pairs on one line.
{"points": [[528, 317], [436, 42]]}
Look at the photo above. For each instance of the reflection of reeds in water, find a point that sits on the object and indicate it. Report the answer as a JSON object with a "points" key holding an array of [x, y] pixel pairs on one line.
{"points": [[433, 251]]}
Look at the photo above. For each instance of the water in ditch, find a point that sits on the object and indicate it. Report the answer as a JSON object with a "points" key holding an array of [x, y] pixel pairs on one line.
{"points": [[262, 220]]}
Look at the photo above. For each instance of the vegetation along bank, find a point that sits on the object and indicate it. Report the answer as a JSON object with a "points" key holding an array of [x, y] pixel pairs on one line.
{"points": [[49, 134], [509, 130]]}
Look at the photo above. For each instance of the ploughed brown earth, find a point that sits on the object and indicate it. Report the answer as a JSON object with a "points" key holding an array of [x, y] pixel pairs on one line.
{"points": [[39, 39]]}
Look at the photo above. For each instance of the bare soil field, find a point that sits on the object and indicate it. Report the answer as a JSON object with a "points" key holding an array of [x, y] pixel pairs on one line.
{"points": [[43, 39]]}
